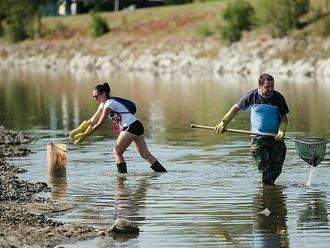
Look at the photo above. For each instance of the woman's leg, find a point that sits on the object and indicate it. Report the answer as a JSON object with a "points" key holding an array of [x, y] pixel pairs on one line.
{"points": [[123, 141], [141, 147]]}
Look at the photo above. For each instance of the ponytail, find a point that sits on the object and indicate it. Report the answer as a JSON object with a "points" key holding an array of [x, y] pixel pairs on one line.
{"points": [[103, 88]]}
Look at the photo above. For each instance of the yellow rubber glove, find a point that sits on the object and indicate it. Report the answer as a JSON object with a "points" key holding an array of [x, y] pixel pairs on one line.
{"points": [[281, 131], [82, 128], [221, 127], [80, 137]]}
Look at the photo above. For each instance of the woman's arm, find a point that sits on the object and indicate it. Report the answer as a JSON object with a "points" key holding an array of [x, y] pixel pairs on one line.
{"points": [[102, 118], [95, 122], [96, 116]]}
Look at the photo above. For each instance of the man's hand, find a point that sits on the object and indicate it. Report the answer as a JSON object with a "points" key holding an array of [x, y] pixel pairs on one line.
{"points": [[220, 128], [281, 131], [280, 136]]}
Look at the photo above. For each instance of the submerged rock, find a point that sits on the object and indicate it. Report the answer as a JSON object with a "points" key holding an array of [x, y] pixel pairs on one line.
{"points": [[124, 226], [266, 212]]}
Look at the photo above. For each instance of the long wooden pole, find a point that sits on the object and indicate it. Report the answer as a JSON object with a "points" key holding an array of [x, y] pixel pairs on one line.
{"points": [[234, 130]]}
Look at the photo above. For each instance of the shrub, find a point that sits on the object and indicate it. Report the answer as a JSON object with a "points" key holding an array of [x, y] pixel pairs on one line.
{"points": [[98, 25], [300, 8], [239, 17], [204, 30], [230, 33], [14, 31], [18, 18], [281, 15]]}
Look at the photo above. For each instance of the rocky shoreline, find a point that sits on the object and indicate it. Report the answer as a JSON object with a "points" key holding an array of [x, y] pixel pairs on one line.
{"points": [[24, 220], [286, 56]]}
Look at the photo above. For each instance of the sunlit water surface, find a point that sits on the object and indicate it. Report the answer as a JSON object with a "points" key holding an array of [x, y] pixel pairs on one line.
{"points": [[211, 195]]}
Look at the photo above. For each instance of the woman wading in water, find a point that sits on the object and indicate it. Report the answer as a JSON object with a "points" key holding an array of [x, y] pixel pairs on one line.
{"points": [[122, 111]]}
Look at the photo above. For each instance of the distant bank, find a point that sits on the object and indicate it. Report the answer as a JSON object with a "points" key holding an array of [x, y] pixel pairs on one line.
{"points": [[280, 56]]}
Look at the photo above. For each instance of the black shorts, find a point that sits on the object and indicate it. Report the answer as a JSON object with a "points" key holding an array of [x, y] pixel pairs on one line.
{"points": [[136, 128]]}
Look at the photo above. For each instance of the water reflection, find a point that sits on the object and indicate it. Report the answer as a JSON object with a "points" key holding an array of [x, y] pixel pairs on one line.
{"points": [[58, 185], [129, 201], [205, 201], [270, 229], [314, 214], [61, 101]]}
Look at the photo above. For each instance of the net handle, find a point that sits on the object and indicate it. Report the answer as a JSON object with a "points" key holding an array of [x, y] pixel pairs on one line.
{"points": [[240, 131], [320, 141]]}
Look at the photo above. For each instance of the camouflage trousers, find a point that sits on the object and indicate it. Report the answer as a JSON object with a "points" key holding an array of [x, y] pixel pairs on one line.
{"points": [[268, 155]]}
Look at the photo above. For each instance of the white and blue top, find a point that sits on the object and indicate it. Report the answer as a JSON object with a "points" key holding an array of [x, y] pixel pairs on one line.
{"points": [[119, 112], [266, 112]]}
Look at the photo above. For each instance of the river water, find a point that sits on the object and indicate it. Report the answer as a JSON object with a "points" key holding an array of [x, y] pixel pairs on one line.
{"points": [[211, 195]]}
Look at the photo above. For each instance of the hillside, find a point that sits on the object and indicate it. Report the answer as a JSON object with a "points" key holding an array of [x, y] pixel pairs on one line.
{"points": [[169, 27], [181, 35], [172, 26]]}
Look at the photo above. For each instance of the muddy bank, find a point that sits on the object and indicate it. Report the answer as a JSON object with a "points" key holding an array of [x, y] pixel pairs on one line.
{"points": [[24, 220], [13, 143]]}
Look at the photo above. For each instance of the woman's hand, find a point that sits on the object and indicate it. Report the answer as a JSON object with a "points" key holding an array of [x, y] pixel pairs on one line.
{"points": [[82, 128], [80, 137]]}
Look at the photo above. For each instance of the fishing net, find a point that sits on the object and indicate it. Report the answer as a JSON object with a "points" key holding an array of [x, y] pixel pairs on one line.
{"points": [[311, 150]]}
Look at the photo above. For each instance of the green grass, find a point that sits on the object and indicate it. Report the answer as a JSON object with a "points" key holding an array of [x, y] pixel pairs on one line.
{"points": [[182, 20], [179, 20]]}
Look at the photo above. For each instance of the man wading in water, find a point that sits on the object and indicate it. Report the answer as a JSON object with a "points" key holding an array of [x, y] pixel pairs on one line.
{"points": [[121, 111], [268, 115]]}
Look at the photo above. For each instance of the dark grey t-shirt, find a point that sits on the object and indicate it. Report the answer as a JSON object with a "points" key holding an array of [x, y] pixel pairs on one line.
{"points": [[253, 97]]}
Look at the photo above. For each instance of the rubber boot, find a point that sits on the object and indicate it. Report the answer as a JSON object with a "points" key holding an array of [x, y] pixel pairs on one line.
{"points": [[157, 167], [267, 179], [122, 168]]}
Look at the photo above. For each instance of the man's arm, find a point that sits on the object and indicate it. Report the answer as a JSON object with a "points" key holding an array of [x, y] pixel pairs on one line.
{"points": [[221, 127]]}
